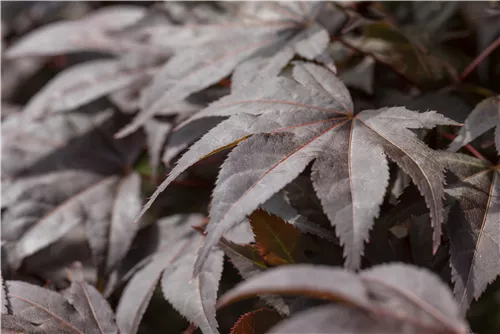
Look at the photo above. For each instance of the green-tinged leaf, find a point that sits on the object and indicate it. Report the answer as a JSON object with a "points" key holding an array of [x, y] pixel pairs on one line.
{"points": [[248, 261], [256, 322], [246, 258], [277, 241]]}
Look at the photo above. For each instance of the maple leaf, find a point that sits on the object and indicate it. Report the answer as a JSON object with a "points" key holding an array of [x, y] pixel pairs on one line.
{"points": [[485, 116], [90, 303], [15, 324], [272, 31], [150, 241], [280, 205], [289, 123], [362, 301], [93, 32], [248, 261], [279, 242], [86, 82], [473, 225], [59, 180], [81, 309], [173, 266]]}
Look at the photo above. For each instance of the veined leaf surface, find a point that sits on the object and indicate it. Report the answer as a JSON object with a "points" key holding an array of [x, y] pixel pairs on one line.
{"points": [[290, 123]]}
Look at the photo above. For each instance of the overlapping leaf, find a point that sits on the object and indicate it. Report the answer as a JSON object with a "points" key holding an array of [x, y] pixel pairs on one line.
{"points": [[473, 225], [485, 116], [173, 265], [412, 50], [85, 83], [81, 310], [279, 242], [93, 32], [389, 298], [90, 303], [272, 31], [68, 170], [295, 122]]}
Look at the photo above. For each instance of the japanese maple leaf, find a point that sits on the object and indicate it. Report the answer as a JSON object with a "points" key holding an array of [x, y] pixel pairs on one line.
{"points": [[171, 266], [473, 225], [393, 298], [91, 33], [283, 124], [79, 309], [66, 170], [275, 31], [485, 116]]}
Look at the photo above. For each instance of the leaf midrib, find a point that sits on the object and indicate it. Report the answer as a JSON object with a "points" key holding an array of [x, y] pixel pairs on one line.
{"points": [[48, 312]]}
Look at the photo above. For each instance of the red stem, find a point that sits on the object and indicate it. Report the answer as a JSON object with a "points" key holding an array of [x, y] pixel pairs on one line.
{"points": [[479, 59], [467, 146]]}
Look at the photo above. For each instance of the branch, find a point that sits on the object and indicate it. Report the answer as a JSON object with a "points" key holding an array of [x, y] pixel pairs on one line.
{"points": [[475, 63]]}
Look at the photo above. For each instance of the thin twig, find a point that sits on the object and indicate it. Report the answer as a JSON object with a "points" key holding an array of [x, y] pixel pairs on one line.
{"points": [[469, 147], [479, 59]]}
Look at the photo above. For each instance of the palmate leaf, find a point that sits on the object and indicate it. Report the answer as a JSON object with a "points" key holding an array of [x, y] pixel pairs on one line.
{"points": [[387, 298], [81, 309], [485, 116], [293, 122], [60, 180], [274, 31], [173, 265], [89, 33], [473, 225]]}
